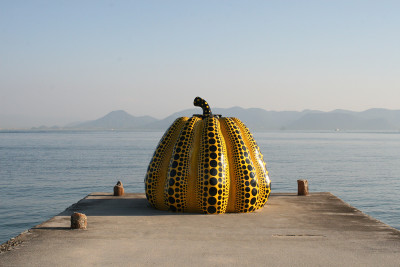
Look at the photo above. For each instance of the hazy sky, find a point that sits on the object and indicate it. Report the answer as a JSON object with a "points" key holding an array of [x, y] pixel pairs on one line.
{"points": [[83, 59]]}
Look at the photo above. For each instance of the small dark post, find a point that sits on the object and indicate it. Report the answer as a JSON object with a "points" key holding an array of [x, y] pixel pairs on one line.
{"points": [[302, 187], [78, 221], [118, 189]]}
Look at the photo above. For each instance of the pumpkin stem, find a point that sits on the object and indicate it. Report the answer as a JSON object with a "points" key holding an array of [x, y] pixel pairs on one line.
{"points": [[200, 102]]}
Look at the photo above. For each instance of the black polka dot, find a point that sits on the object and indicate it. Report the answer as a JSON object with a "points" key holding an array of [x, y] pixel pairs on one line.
{"points": [[213, 163], [213, 191], [211, 209], [254, 191], [213, 181], [212, 200], [213, 148]]}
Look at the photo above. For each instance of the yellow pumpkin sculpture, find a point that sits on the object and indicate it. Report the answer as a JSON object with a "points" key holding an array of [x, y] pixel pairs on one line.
{"points": [[207, 164]]}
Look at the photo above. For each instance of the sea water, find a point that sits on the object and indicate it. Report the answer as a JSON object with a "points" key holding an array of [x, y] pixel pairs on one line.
{"points": [[42, 173]]}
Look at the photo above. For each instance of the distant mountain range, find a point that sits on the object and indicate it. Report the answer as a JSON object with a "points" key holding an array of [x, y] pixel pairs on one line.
{"points": [[259, 120], [118, 119]]}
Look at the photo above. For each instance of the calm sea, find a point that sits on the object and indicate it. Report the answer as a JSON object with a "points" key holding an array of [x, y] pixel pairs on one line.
{"points": [[42, 173]]}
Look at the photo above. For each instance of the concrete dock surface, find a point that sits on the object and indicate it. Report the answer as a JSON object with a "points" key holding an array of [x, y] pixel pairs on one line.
{"points": [[315, 230]]}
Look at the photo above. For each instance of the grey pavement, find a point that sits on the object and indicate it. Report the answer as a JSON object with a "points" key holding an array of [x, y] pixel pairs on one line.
{"points": [[315, 230]]}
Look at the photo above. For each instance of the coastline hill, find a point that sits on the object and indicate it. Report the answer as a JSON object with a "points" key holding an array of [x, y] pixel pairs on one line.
{"points": [[261, 120], [118, 119]]}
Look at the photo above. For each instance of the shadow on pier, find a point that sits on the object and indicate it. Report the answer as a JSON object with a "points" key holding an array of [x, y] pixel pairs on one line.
{"points": [[101, 204]]}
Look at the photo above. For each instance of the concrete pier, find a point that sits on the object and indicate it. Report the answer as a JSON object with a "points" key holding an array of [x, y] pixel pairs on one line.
{"points": [[316, 230]]}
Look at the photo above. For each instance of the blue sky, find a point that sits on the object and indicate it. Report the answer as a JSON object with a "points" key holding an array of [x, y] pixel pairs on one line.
{"points": [[78, 60]]}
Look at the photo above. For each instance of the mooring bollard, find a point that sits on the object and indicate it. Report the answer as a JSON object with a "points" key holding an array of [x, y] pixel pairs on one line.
{"points": [[302, 187], [78, 221], [118, 189]]}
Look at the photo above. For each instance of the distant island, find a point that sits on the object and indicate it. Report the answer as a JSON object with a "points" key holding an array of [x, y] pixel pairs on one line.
{"points": [[255, 118]]}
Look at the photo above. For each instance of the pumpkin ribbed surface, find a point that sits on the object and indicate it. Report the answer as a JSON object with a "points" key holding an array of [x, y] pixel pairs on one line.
{"points": [[207, 164]]}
